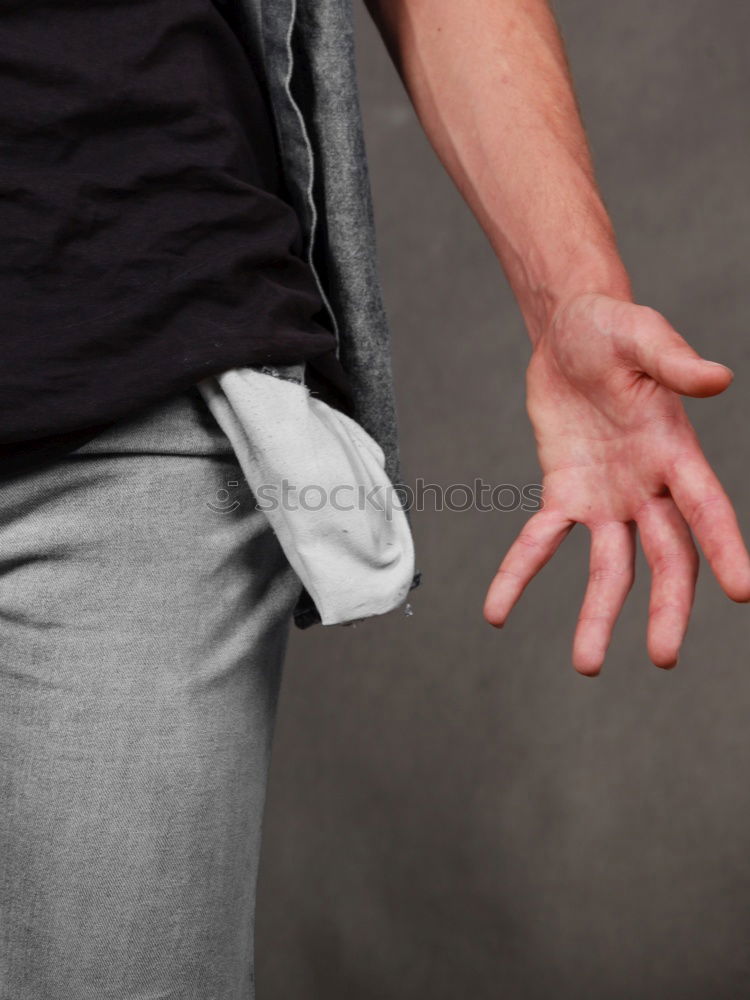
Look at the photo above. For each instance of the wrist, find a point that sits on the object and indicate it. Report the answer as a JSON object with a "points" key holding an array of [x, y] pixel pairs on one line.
{"points": [[543, 298]]}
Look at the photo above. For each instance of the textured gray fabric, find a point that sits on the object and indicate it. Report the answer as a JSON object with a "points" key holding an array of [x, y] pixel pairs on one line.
{"points": [[144, 611], [309, 62]]}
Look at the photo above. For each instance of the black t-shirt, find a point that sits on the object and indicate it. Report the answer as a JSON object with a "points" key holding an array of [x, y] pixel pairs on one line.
{"points": [[145, 239]]}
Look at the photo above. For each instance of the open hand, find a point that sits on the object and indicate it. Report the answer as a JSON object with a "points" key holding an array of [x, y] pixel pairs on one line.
{"points": [[618, 452]]}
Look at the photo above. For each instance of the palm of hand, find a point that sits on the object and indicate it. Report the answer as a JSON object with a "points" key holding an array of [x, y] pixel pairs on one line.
{"points": [[618, 452]]}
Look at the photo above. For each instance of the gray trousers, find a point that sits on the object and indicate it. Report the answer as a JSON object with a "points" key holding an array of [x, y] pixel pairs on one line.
{"points": [[144, 612]]}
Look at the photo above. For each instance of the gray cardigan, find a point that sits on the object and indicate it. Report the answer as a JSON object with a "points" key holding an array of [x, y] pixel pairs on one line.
{"points": [[304, 49]]}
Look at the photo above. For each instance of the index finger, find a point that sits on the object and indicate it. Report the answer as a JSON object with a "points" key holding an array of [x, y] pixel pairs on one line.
{"points": [[696, 490]]}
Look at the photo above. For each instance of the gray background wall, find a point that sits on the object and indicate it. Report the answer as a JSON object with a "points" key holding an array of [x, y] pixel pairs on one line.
{"points": [[453, 812]]}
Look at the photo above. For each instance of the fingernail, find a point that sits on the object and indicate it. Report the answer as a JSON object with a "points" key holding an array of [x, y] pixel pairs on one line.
{"points": [[717, 364]]}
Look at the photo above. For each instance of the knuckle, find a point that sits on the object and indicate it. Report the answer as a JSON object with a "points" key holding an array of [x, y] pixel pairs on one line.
{"points": [[512, 574], [528, 541], [658, 608], [584, 618], [703, 509], [665, 562], [603, 574], [650, 504]]}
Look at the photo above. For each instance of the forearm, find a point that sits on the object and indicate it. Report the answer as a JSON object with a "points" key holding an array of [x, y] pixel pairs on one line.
{"points": [[490, 84]]}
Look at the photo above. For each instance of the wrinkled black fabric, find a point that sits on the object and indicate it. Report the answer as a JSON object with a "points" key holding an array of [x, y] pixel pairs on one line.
{"points": [[146, 239]]}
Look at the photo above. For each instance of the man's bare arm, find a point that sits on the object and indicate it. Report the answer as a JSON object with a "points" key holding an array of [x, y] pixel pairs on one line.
{"points": [[490, 84]]}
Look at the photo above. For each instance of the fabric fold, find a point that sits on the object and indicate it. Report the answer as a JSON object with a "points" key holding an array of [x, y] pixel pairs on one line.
{"points": [[320, 479]]}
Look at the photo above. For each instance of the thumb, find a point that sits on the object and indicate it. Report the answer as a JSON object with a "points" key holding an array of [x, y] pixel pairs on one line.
{"points": [[658, 350]]}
